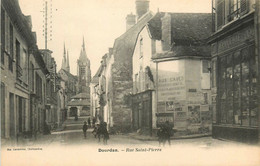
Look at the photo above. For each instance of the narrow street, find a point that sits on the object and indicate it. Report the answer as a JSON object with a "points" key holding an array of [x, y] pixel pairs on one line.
{"points": [[76, 138], [70, 148]]}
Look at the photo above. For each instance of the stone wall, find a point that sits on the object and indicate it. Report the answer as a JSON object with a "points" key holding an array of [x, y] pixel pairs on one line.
{"points": [[122, 85]]}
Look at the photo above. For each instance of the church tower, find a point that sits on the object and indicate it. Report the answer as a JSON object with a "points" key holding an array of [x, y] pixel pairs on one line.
{"points": [[84, 72]]}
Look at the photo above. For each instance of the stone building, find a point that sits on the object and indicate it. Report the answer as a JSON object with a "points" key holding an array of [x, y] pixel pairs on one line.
{"points": [[52, 107], [115, 75], [235, 73], [171, 80], [94, 95], [23, 75]]}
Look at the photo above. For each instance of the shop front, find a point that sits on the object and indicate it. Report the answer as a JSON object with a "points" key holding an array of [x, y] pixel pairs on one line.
{"points": [[142, 112], [234, 86]]}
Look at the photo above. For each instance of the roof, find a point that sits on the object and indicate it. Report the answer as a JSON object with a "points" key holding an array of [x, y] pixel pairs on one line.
{"points": [[124, 45], [189, 33], [191, 28], [69, 74], [81, 96], [79, 103]]}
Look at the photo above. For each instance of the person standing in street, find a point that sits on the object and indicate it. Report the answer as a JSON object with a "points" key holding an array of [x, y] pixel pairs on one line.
{"points": [[85, 128], [167, 130], [105, 133], [89, 121]]}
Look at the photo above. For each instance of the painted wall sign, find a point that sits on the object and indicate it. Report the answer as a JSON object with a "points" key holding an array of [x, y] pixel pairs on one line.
{"points": [[171, 88]]}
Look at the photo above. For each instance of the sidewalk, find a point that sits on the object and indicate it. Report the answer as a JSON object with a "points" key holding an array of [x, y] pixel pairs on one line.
{"points": [[155, 138]]}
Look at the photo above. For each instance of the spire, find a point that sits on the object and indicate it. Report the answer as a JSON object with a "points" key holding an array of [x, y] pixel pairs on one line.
{"points": [[68, 62], [83, 45], [64, 61], [64, 49]]}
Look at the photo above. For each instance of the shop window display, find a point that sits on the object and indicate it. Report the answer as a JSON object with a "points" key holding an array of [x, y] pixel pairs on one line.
{"points": [[238, 88]]}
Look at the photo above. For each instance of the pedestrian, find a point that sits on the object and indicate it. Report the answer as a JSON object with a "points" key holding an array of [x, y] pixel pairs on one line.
{"points": [[94, 122], [89, 121], [105, 133], [99, 131], [161, 137], [94, 132], [167, 130], [85, 128]]}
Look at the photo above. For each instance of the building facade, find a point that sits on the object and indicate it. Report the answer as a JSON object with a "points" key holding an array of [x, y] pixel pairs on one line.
{"points": [[52, 107], [234, 71], [23, 76], [171, 80]]}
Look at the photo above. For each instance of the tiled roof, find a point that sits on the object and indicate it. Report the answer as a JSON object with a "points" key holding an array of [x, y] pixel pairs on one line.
{"points": [[191, 28], [189, 34], [79, 103], [124, 45], [71, 76], [81, 96]]}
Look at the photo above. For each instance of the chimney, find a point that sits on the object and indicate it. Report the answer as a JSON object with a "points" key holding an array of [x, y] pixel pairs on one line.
{"points": [[166, 32], [110, 51], [29, 21], [142, 7], [130, 21]]}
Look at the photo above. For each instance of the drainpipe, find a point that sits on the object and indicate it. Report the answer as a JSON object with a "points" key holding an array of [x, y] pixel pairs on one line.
{"points": [[156, 89]]}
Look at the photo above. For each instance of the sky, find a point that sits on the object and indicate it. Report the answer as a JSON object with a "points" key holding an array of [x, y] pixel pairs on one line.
{"points": [[99, 21]]}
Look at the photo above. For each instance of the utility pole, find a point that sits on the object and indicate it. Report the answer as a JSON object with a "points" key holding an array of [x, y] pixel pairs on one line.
{"points": [[47, 21]]}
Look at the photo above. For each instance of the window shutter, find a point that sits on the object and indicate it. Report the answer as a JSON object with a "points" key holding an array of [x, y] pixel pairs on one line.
{"points": [[243, 7], [220, 13]]}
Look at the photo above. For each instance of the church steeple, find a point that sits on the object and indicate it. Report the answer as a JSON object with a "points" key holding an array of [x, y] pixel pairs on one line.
{"points": [[64, 60], [83, 45], [84, 72], [68, 62]]}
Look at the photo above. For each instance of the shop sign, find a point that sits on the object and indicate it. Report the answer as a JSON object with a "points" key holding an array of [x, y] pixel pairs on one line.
{"points": [[163, 117], [236, 39]]}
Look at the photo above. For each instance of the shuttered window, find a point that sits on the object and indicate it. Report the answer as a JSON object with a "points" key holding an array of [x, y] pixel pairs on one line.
{"points": [[2, 35], [220, 13], [243, 7]]}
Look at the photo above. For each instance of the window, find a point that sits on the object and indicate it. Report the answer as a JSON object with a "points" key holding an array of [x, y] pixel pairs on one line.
{"points": [[214, 73], [238, 88], [2, 110], [39, 86], [220, 11], [141, 48], [11, 49], [18, 60], [32, 76], [237, 8], [205, 66], [2, 35]]}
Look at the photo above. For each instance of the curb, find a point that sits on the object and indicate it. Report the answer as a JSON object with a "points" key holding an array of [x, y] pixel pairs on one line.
{"points": [[172, 138]]}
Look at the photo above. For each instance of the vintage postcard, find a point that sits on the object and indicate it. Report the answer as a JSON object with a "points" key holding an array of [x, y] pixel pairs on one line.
{"points": [[130, 82]]}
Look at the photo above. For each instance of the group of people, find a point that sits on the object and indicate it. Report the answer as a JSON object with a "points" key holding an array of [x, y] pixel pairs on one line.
{"points": [[100, 130], [164, 133]]}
